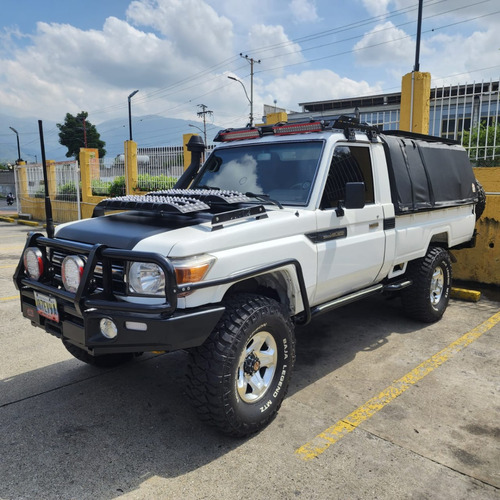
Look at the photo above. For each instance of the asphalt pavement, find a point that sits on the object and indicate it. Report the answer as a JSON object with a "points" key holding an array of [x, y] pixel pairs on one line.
{"points": [[379, 407]]}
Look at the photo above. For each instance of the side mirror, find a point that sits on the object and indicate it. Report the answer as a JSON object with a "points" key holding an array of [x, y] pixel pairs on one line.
{"points": [[354, 197]]}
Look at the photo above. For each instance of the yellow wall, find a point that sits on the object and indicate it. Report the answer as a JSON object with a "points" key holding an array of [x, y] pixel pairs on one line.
{"points": [[482, 263]]}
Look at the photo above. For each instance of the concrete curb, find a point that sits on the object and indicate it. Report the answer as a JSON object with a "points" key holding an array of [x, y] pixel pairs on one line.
{"points": [[28, 223], [7, 219], [15, 219], [464, 294]]}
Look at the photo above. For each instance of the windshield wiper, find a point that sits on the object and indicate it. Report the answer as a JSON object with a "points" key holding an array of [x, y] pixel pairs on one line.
{"points": [[265, 198], [211, 188]]}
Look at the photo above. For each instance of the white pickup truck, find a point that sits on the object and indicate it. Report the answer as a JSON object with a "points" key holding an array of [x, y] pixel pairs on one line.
{"points": [[281, 223]]}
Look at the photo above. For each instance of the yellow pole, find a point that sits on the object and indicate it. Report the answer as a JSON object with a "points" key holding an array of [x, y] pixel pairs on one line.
{"points": [[415, 102], [131, 171], [88, 158]]}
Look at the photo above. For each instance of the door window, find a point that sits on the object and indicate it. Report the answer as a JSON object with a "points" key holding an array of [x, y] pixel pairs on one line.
{"points": [[349, 164]]}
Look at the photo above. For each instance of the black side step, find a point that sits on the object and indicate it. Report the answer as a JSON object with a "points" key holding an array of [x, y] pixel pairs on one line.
{"points": [[360, 294]]}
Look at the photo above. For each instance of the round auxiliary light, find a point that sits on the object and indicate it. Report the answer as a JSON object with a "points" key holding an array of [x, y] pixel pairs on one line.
{"points": [[146, 278], [108, 328], [33, 262], [71, 272]]}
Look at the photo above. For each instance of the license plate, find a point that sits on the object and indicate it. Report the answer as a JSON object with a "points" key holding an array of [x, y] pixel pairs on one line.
{"points": [[46, 306]]}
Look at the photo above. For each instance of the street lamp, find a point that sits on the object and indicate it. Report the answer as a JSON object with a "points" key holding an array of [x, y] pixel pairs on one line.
{"points": [[19, 159], [249, 100], [130, 113]]}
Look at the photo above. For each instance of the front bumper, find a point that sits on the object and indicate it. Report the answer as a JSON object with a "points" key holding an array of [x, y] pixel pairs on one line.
{"points": [[140, 326], [137, 332]]}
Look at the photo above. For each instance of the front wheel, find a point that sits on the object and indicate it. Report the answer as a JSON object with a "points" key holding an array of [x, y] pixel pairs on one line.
{"points": [[239, 377], [427, 298]]}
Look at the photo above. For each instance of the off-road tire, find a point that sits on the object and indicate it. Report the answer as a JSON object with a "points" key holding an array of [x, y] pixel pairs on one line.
{"points": [[253, 342], [103, 361], [427, 298], [481, 202]]}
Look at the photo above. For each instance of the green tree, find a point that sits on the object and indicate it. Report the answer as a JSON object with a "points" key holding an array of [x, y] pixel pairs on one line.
{"points": [[75, 131], [483, 145]]}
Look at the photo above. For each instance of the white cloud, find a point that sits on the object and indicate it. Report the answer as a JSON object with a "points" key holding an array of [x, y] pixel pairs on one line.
{"points": [[304, 11], [67, 69], [313, 85], [192, 25], [385, 44], [377, 7], [454, 55], [279, 51]]}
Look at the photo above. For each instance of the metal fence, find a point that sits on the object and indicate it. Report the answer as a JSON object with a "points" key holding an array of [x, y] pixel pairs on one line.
{"points": [[159, 168], [469, 113], [109, 177], [65, 194]]}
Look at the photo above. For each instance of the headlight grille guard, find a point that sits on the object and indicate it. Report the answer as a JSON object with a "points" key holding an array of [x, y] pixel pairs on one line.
{"points": [[98, 253]]}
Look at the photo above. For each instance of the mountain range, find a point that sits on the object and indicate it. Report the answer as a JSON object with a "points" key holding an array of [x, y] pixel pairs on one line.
{"points": [[147, 131]]}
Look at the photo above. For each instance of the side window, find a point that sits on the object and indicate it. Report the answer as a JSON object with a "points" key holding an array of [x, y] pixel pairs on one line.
{"points": [[349, 164]]}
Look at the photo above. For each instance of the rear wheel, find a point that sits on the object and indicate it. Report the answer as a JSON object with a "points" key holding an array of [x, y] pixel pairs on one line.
{"points": [[239, 377], [103, 361], [427, 298], [481, 201]]}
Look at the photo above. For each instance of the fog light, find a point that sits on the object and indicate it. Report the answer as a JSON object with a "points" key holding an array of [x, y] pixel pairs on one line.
{"points": [[108, 328], [33, 262], [71, 272]]}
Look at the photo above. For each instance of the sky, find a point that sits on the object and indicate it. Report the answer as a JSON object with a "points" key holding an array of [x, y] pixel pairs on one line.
{"points": [[65, 56]]}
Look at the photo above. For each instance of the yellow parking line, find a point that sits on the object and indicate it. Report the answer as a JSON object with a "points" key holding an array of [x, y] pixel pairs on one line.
{"points": [[12, 297], [8, 267], [323, 441]]}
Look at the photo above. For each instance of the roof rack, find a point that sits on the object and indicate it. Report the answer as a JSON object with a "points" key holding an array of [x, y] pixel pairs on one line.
{"points": [[421, 137], [282, 128], [346, 123], [350, 124]]}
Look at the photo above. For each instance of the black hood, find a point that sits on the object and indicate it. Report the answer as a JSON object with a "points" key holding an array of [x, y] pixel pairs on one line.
{"points": [[123, 230]]}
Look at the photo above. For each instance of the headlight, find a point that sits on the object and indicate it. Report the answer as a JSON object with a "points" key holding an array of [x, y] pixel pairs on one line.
{"points": [[146, 278], [71, 272], [33, 262]]}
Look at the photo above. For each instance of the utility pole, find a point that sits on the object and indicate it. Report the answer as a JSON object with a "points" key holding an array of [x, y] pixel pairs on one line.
{"points": [[203, 113], [84, 132], [416, 67], [252, 61]]}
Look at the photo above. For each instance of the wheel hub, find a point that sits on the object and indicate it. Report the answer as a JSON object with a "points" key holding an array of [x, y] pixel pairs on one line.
{"points": [[256, 367], [437, 286], [251, 364]]}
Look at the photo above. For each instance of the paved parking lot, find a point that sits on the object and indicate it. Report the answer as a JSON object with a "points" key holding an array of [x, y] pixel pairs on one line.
{"points": [[379, 407]]}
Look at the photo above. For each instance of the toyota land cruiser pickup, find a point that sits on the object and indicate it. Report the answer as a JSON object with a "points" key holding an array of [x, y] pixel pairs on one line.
{"points": [[281, 223]]}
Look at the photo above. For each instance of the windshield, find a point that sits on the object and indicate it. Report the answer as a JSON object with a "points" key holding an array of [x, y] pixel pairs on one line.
{"points": [[283, 171]]}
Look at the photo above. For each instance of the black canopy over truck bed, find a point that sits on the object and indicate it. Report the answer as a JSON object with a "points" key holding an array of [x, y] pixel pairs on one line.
{"points": [[427, 173]]}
